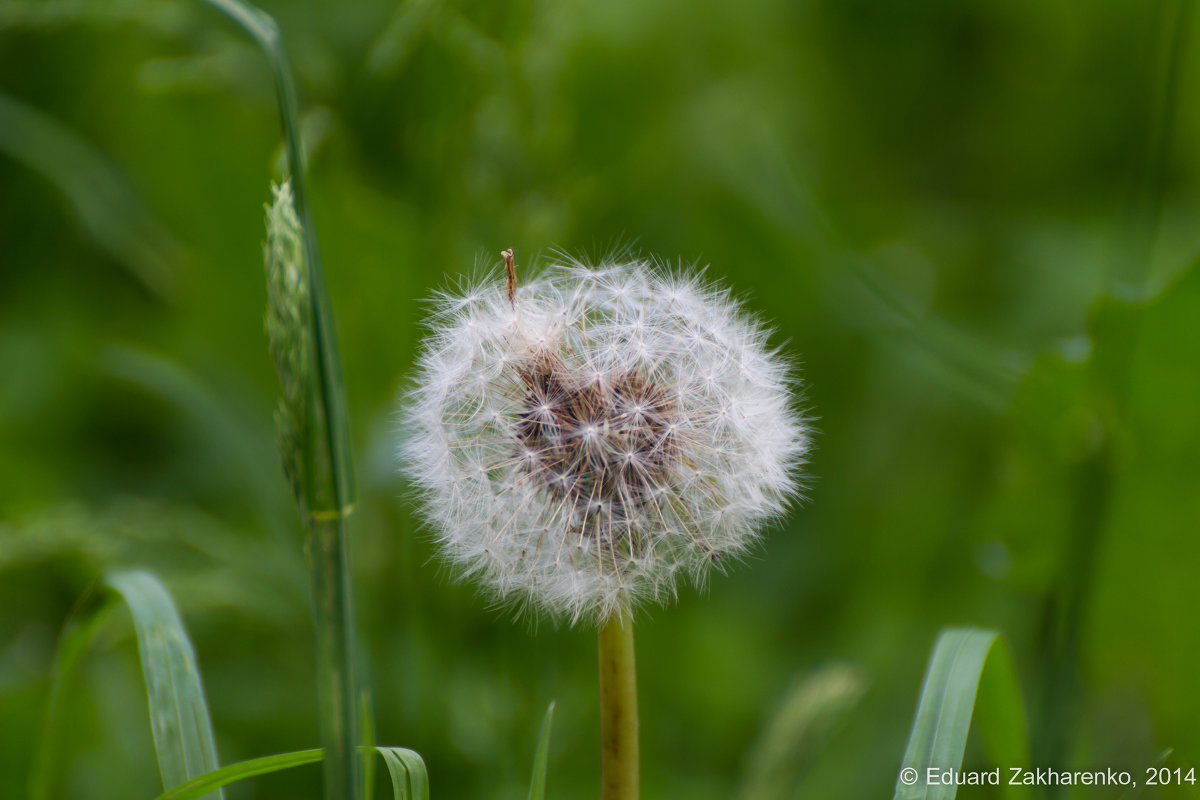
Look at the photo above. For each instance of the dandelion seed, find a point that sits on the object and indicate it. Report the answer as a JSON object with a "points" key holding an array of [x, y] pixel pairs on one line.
{"points": [[583, 440]]}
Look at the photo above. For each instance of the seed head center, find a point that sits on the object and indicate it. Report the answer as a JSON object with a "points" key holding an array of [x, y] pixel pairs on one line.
{"points": [[603, 446]]}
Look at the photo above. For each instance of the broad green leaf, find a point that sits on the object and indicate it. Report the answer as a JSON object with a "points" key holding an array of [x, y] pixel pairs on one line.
{"points": [[537, 788], [968, 668], [409, 778], [183, 734]]}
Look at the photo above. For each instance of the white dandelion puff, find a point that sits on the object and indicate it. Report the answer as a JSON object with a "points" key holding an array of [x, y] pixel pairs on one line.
{"points": [[583, 440]]}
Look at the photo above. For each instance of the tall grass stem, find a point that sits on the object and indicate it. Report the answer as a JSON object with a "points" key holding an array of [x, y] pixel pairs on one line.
{"points": [[328, 500]]}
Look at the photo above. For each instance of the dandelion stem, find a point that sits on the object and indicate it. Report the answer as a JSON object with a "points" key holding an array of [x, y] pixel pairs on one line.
{"points": [[618, 709]]}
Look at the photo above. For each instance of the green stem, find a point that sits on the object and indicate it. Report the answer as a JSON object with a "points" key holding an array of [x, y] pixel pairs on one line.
{"points": [[265, 32], [618, 709], [328, 496], [337, 684]]}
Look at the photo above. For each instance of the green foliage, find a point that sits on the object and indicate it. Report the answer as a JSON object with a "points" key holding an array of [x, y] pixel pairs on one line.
{"points": [[407, 770], [537, 786], [105, 206], [329, 471], [312, 422], [201, 785], [798, 729], [77, 636], [179, 716], [971, 224], [183, 733], [968, 669], [409, 779]]}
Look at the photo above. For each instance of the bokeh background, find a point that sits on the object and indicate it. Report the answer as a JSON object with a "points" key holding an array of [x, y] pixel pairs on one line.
{"points": [[973, 226]]}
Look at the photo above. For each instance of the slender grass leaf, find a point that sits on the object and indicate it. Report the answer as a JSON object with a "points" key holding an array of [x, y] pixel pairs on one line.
{"points": [[410, 781], [183, 734], [366, 736], [537, 788], [333, 496], [1140, 789], [233, 440], [201, 785], [1001, 714], [798, 730], [163, 17], [106, 207], [968, 668], [327, 491], [77, 635]]}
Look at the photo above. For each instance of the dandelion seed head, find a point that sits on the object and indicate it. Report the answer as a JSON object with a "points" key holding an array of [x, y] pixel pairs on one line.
{"points": [[582, 443]]}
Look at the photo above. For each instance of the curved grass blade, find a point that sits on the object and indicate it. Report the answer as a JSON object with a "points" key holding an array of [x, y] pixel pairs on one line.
{"points": [[336, 496], [183, 734], [106, 207], [537, 788], [77, 635], [327, 496], [968, 669], [410, 780], [201, 785]]}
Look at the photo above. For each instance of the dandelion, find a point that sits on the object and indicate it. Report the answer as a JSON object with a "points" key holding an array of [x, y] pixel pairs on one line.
{"points": [[584, 440]]}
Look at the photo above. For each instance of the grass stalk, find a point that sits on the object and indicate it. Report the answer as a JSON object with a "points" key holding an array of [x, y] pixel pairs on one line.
{"points": [[326, 496], [618, 709], [336, 662], [1061, 691]]}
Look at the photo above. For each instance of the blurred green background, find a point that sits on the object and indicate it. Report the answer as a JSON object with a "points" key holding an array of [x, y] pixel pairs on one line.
{"points": [[972, 224]]}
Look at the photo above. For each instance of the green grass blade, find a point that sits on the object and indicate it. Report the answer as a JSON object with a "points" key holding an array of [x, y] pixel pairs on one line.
{"points": [[106, 207], [798, 730], [968, 669], [410, 781], [328, 490], [201, 785], [337, 498], [366, 735], [77, 635], [204, 410], [537, 788], [183, 734]]}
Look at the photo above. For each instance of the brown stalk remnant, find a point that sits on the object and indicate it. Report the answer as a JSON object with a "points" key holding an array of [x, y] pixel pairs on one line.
{"points": [[510, 270], [603, 446]]}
